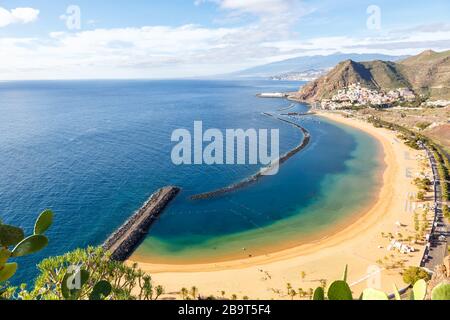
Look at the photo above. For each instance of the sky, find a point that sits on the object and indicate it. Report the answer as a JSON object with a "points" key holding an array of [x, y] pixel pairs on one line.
{"points": [[103, 39]]}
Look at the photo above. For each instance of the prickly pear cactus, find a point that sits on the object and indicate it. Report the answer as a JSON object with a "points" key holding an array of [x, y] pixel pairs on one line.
{"points": [[441, 292], [340, 290], [101, 290], [372, 294], [319, 294], [420, 290], [14, 244]]}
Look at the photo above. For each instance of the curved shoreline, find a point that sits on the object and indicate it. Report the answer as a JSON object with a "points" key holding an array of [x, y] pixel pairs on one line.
{"points": [[343, 228], [254, 178], [356, 244]]}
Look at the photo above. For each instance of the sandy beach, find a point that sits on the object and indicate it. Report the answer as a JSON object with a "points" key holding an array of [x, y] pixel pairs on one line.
{"points": [[359, 245]]}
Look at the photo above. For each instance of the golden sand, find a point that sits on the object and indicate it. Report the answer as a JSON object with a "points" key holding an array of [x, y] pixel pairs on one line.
{"points": [[359, 245]]}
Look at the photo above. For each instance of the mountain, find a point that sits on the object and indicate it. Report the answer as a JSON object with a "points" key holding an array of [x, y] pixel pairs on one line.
{"points": [[306, 64], [427, 73]]}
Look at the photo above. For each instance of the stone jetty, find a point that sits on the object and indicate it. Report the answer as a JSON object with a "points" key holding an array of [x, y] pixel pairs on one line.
{"points": [[254, 178], [127, 238], [298, 114]]}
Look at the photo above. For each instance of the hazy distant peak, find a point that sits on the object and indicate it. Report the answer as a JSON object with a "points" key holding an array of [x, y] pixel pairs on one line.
{"points": [[307, 63]]}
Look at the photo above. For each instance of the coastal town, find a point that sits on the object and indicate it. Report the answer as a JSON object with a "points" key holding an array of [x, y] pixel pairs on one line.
{"points": [[356, 96], [308, 75]]}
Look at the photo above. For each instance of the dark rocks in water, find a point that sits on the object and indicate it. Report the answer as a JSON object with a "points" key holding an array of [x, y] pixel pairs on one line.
{"points": [[254, 178], [128, 237]]}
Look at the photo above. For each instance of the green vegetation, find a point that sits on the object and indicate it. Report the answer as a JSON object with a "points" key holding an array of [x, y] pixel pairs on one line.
{"points": [[355, 107], [421, 196], [420, 225], [300, 292], [414, 274], [391, 262], [410, 138], [423, 184], [14, 244], [192, 294], [88, 274], [340, 290], [416, 103], [414, 140], [423, 125], [444, 176]]}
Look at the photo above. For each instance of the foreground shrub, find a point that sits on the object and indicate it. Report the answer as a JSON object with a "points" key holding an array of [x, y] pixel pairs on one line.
{"points": [[89, 274], [340, 290], [414, 274]]}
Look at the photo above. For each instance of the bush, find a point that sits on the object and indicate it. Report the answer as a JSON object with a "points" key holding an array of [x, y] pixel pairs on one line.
{"points": [[100, 279], [446, 212], [421, 196], [414, 274], [423, 125]]}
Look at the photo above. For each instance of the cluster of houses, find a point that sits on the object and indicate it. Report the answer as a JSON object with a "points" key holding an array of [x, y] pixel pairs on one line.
{"points": [[356, 95]]}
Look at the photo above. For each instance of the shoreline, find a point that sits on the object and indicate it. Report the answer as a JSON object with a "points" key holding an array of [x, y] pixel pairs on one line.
{"points": [[284, 250], [338, 247]]}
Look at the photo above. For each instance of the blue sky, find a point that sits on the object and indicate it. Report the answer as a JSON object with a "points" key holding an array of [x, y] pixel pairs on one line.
{"points": [[183, 38]]}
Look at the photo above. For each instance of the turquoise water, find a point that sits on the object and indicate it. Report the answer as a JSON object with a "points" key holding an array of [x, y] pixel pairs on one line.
{"points": [[324, 186], [94, 151]]}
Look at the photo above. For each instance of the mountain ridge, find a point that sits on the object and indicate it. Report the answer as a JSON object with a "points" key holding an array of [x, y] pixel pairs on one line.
{"points": [[426, 74], [307, 63]]}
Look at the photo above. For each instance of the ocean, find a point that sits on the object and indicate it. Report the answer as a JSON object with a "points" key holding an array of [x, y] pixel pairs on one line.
{"points": [[94, 151]]}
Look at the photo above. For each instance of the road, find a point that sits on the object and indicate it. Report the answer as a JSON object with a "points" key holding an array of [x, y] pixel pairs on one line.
{"points": [[437, 250]]}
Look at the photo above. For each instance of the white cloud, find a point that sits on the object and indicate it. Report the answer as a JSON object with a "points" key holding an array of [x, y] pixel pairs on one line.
{"points": [[271, 13], [159, 51], [257, 7], [394, 43], [18, 15], [192, 50], [147, 51]]}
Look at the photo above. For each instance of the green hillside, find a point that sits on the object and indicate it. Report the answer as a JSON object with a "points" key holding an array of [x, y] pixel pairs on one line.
{"points": [[427, 73]]}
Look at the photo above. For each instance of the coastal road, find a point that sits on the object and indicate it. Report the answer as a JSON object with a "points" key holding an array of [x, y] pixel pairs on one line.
{"points": [[440, 234]]}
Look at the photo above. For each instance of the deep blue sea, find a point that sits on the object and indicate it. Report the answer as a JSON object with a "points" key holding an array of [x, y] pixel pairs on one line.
{"points": [[94, 151]]}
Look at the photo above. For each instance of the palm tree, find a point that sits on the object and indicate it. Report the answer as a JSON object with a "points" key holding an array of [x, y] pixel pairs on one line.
{"points": [[184, 294], [421, 196], [159, 291], [291, 292], [303, 275], [194, 293]]}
